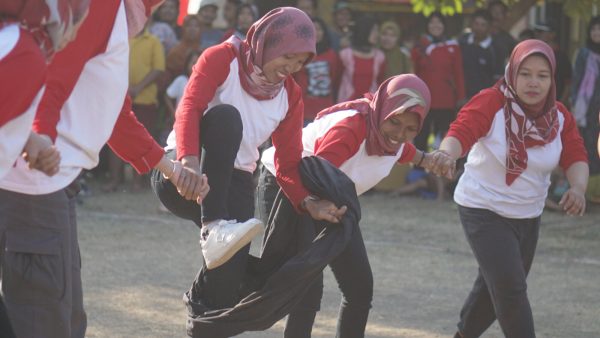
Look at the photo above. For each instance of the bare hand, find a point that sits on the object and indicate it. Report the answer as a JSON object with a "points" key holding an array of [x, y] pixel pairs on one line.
{"points": [[190, 182], [324, 210], [41, 154], [440, 163], [573, 202]]}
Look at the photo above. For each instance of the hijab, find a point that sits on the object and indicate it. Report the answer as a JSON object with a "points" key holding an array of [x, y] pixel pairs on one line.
{"points": [[396, 95], [526, 125], [284, 30]]}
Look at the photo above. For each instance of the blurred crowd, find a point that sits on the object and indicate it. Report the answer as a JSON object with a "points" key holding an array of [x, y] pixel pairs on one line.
{"points": [[354, 55]]}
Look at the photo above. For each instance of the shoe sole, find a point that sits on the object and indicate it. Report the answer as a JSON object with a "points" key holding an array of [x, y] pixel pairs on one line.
{"points": [[247, 238]]}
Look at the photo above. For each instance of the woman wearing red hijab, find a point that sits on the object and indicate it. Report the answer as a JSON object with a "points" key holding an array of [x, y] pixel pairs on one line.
{"points": [[240, 94], [517, 133], [365, 138]]}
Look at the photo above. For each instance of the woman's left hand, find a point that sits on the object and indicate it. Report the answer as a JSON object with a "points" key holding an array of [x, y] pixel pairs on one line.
{"points": [[573, 202]]}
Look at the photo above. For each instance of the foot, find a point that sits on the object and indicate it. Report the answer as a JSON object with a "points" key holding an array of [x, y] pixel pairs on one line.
{"points": [[221, 239]]}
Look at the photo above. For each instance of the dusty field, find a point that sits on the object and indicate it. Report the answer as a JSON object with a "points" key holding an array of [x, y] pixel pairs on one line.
{"points": [[138, 262]]}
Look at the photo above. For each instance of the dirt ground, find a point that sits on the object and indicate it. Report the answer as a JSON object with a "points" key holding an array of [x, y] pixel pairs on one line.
{"points": [[137, 262]]}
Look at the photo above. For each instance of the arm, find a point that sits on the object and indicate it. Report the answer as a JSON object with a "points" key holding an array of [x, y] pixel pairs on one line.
{"points": [[149, 79]]}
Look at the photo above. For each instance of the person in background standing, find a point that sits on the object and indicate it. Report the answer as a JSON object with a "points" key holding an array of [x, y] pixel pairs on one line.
{"points": [[547, 33], [246, 15], [437, 60], [341, 30], [397, 59], [478, 54], [207, 13], [319, 78], [502, 41], [190, 42], [363, 64], [164, 24], [230, 12], [585, 100]]}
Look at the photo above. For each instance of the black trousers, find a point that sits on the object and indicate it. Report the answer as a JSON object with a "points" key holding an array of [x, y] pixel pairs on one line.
{"points": [[504, 249], [438, 121], [351, 269], [231, 196]]}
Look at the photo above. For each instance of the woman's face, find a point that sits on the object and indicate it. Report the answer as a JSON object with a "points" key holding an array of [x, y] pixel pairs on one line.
{"points": [[388, 39], [374, 35], [319, 31], [208, 14], [595, 34], [191, 30], [168, 11], [435, 27], [280, 68], [245, 18], [534, 79], [400, 128]]}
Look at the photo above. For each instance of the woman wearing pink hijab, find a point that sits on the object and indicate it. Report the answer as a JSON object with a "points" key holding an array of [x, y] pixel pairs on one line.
{"points": [[365, 138], [240, 94], [516, 133]]}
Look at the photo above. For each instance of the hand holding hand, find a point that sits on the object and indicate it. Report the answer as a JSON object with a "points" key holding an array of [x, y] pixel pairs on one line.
{"points": [[323, 210], [440, 163], [573, 202], [190, 182], [41, 154]]}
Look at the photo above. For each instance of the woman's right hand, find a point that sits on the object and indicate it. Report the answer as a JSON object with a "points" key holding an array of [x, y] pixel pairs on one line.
{"points": [[191, 183], [323, 210], [440, 163]]}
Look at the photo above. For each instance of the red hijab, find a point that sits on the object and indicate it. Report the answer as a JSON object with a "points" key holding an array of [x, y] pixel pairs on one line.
{"points": [[526, 125], [397, 95], [47, 20], [282, 31]]}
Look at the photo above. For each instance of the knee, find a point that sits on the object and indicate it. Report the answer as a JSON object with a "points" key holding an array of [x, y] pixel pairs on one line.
{"points": [[360, 291], [507, 288], [228, 119]]}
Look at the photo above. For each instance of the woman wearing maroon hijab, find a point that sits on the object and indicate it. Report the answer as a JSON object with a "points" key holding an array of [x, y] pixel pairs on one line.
{"points": [[240, 94], [516, 133], [365, 138]]}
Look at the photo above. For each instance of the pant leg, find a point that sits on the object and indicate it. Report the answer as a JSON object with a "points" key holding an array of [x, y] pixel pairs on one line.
{"points": [[498, 244], [5, 326], [301, 319], [41, 285], [355, 279]]}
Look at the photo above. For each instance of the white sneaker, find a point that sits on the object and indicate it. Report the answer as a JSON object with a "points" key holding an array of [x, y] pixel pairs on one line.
{"points": [[221, 239]]}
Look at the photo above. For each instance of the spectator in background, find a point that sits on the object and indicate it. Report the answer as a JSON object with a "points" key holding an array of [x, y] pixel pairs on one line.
{"points": [[478, 55], [363, 63], [585, 100], [397, 59], [438, 61], [146, 65], [190, 41], [230, 12], [502, 40], [342, 23], [307, 6], [320, 77], [207, 13], [164, 24], [176, 88], [246, 15], [547, 33], [526, 34]]}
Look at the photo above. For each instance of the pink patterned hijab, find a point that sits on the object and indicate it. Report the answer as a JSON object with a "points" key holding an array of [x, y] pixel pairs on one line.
{"points": [[284, 30], [397, 95], [526, 125], [49, 21]]}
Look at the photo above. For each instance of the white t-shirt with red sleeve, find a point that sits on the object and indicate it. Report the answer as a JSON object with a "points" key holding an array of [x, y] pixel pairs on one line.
{"points": [[22, 75], [340, 138], [480, 127], [215, 80]]}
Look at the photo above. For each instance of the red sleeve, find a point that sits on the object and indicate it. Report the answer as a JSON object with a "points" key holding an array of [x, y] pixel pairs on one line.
{"points": [[408, 153], [475, 118], [342, 141], [208, 74], [67, 65], [459, 75], [573, 148], [132, 142], [23, 72], [287, 140]]}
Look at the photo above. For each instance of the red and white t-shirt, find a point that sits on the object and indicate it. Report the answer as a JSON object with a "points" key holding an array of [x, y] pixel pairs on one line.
{"points": [[215, 80], [340, 138], [23, 69], [480, 127], [83, 103]]}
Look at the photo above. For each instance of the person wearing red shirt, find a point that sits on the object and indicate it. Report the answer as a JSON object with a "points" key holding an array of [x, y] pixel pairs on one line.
{"points": [[515, 134]]}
